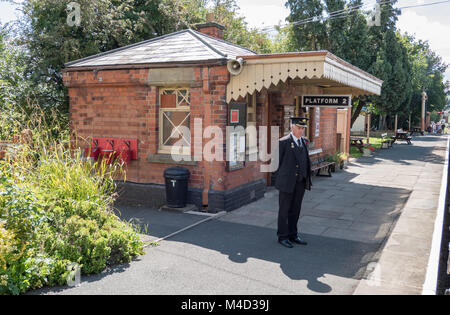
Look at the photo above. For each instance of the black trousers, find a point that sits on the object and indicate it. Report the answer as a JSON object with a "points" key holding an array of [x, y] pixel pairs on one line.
{"points": [[289, 211]]}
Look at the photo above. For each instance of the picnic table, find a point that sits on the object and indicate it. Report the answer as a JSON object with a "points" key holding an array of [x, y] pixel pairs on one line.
{"points": [[403, 136], [357, 142], [417, 130]]}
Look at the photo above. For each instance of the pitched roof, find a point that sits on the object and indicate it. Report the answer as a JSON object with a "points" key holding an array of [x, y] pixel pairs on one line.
{"points": [[183, 46]]}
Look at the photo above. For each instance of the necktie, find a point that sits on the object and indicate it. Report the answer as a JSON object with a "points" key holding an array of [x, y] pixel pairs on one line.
{"points": [[299, 143]]}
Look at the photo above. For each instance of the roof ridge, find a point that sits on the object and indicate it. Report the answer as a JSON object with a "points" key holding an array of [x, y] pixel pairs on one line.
{"points": [[70, 63], [192, 32], [223, 41]]}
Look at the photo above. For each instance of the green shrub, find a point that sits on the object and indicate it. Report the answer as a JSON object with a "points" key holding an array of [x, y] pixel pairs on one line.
{"points": [[56, 209]]}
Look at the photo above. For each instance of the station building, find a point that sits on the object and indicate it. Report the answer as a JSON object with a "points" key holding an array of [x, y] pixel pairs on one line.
{"points": [[140, 94]]}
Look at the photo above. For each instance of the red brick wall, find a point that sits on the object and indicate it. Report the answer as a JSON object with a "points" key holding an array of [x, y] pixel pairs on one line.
{"points": [[212, 31], [328, 130], [120, 104]]}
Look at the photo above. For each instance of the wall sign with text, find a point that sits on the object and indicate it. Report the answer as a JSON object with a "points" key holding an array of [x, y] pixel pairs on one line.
{"points": [[336, 101], [236, 141]]}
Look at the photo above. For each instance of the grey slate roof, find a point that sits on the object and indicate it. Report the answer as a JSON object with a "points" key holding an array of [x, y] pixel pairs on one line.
{"points": [[183, 46]]}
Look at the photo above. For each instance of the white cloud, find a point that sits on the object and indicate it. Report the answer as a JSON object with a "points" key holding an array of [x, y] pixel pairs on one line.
{"points": [[424, 28], [263, 13], [8, 12]]}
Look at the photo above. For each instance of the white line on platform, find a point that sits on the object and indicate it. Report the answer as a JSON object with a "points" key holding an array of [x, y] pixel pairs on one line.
{"points": [[217, 215], [431, 280], [205, 214]]}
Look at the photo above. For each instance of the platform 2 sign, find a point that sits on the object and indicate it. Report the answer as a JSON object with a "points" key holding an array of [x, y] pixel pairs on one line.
{"points": [[336, 101]]}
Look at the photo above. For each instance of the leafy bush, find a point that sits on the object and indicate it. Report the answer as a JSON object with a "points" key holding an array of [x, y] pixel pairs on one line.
{"points": [[56, 209]]}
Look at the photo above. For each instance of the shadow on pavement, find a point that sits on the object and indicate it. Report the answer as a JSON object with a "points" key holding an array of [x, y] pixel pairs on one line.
{"points": [[422, 154], [245, 244]]}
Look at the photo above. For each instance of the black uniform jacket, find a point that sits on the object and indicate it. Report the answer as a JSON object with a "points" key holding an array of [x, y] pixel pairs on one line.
{"points": [[289, 159]]}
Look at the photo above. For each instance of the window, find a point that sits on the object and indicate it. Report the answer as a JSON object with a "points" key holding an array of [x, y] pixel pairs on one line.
{"points": [[174, 120]]}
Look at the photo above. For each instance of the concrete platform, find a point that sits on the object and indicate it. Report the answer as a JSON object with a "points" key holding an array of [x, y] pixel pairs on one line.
{"points": [[369, 230]]}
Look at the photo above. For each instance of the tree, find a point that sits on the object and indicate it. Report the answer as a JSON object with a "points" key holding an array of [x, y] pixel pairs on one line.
{"points": [[427, 75], [226, 12], [50, 40], [309, 30]]}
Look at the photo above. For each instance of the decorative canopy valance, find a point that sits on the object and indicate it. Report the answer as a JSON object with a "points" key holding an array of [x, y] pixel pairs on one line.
{"points": [[322, 68]]}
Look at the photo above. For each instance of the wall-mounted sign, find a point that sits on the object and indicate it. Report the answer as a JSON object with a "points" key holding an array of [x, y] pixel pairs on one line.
{"points": [[236, 141], [234, 116], [337, 101]]}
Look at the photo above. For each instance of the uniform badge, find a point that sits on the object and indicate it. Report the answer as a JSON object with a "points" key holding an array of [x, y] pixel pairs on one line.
{"points": [[292, 145]]}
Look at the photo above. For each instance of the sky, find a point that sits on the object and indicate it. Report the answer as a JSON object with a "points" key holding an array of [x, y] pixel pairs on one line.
{"points": [[430, 23]]}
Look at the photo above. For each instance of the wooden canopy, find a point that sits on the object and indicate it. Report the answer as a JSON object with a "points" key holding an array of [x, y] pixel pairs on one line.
{"points": [[320, 68]]}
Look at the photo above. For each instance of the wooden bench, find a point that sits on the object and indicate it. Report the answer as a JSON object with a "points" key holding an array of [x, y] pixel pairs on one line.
{"points": [[387, 142], [319, 165]]}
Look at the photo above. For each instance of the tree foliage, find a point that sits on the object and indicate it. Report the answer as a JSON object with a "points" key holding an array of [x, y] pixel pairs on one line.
{"points": [[406, 66], [341, 27], [50, 41]]}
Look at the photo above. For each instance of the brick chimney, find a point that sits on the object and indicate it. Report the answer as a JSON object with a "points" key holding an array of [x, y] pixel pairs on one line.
{"points": [[211, 28]]}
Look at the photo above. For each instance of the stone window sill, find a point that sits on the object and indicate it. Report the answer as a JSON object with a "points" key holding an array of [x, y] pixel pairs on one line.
{"points": [[167, 159]]}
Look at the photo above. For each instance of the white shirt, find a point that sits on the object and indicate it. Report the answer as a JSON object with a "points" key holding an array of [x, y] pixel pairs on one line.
{"points": [[296, 139]]}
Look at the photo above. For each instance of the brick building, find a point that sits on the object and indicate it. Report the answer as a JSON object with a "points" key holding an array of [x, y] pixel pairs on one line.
{"points": [[147, 92]]}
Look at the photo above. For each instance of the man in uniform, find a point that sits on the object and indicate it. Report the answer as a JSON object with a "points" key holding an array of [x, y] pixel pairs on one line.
{"points": [[293, 177]]}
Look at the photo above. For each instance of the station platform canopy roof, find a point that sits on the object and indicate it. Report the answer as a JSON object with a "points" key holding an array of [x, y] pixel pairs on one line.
{"points": [[319, 68]]}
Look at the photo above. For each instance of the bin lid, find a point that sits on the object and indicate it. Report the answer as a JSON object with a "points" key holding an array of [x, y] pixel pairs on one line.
{"points": [[177, 172]]}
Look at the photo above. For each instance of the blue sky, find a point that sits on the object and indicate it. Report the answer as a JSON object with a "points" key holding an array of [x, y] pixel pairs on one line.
{"points": [[430, 23]]}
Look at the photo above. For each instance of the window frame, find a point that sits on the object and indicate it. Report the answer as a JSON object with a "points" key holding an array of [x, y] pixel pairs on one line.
{"points": [[167, 149]]}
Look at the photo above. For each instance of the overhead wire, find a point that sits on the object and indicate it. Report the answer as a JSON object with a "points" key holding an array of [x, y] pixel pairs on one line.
{"points": [[343, 13], [331, 14]]}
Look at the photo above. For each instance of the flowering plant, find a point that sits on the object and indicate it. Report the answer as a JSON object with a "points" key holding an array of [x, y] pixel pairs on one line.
{"points": [[342, 156], [369, 147]]}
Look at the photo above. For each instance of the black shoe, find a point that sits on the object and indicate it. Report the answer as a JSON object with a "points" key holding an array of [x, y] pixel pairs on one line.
{"points": [[286, 243], [298, 240]]}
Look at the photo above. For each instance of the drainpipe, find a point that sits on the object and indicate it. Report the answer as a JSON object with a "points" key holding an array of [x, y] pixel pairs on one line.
{"points": [[207, 122]]}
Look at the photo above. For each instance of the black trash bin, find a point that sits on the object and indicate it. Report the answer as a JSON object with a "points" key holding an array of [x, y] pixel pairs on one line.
{"points": [[176, 186]]}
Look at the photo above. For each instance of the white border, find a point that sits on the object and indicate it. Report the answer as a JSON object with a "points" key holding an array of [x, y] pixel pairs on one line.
{"points": [[431, 280]]}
